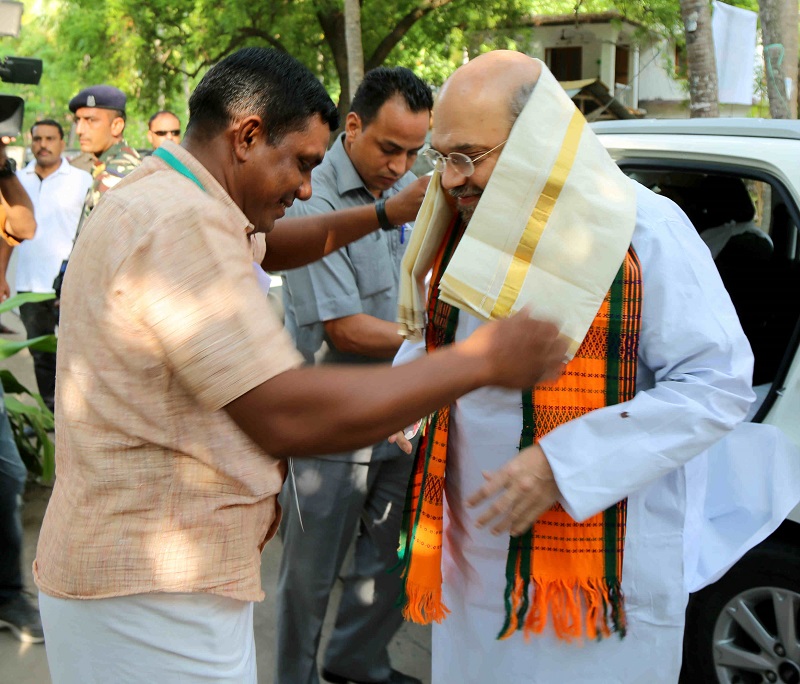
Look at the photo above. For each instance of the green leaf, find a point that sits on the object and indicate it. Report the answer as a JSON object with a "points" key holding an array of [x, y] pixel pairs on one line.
{"points": [[29, 456], [25, 298], [16, 406], [46, 343], [36, 450], [11, 384]]}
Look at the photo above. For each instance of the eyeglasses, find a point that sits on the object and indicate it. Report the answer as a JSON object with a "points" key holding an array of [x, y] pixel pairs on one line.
{"points": [[461, 163], [161, 134]]}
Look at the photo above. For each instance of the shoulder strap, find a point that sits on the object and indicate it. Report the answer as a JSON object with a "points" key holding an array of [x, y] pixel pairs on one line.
{"points": [[178, 165]]}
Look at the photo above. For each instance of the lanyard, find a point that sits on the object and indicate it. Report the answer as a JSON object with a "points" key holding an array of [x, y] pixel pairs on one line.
{"points": [[178, 165]]}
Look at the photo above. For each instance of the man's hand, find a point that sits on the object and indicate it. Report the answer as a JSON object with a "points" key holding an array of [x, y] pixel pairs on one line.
{"points": [[403, 207], [520, 352], [522, 489], [400, 439], [5, 290]]}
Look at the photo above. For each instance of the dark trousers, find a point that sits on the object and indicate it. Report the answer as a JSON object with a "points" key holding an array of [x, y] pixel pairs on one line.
{"points": [[41, 318], [12, 483], [340, 500]]}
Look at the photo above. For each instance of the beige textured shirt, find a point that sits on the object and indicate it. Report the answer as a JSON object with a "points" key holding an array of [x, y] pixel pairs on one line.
{"points": [[162, 325]]}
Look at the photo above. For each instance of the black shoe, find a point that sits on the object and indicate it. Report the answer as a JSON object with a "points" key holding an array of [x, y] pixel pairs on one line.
{"points": [[394, 678], [22, 618]]}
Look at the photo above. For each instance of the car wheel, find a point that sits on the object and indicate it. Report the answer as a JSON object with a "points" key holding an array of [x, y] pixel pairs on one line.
{"points": [[745, 628]]}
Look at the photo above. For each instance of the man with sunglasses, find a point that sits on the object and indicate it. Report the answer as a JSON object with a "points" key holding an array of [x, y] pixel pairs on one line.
{"points": [[163, 125], [526, 208]]}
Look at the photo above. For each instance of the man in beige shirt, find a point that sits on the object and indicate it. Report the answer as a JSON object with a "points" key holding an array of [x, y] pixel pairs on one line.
{"points": [[179, 394]]}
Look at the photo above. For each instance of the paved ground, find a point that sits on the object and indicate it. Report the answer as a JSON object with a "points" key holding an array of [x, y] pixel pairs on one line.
{"points": [[27, 664]]}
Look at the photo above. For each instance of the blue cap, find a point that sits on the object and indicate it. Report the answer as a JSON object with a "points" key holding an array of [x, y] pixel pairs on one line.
{"points": [[100, 96]]}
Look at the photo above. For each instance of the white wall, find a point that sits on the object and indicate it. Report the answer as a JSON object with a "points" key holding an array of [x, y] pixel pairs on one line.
{"points": [[655, 82], [653, 88], [651, 72], [584, 37]]}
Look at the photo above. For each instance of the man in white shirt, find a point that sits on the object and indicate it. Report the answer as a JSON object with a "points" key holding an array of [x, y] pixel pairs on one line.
{"points": [[57, 191], [574, 483]]}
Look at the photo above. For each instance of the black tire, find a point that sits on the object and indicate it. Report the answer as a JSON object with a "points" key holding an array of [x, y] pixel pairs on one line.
{"points": [[768, 572]]}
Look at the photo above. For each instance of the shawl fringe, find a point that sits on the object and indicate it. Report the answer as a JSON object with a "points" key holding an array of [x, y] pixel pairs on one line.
{"points": [[578, 608], [424, 605]]}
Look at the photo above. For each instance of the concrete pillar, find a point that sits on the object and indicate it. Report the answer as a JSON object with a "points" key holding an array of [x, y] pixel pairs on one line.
{"points": [[608, 52]]}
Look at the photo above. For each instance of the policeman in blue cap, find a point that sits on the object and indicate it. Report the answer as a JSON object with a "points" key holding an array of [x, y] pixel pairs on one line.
{"points": [[100, 122]]}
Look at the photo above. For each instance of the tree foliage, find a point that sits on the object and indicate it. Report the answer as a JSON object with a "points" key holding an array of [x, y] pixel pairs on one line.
{"points": [[156, 51]]}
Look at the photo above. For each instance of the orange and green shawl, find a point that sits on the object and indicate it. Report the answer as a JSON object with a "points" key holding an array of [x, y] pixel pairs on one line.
{"points": [[563, 569]]}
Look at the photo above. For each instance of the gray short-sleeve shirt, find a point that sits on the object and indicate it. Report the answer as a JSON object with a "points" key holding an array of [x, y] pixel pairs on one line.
{"points": [[360, 278]]}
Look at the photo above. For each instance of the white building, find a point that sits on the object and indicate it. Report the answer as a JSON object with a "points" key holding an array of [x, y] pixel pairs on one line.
{"points": [[640, 67]]}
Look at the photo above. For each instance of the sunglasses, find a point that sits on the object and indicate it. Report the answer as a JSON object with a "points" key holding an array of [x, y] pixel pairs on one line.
{"points": [[161, 134]]}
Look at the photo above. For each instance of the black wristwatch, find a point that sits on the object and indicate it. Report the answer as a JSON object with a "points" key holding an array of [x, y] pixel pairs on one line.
{"points": [[383, 219], [8, 169]]}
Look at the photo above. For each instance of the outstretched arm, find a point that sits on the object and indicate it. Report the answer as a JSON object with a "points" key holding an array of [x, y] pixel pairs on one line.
{"points": [[299, 240], [308, 411]]}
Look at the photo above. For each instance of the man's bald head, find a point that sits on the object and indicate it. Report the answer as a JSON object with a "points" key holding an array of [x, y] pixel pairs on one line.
{"points": [[474, 113], [491, 83]]}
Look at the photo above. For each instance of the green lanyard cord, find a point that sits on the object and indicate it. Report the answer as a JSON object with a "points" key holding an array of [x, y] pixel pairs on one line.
{"points": [[178, 165]]}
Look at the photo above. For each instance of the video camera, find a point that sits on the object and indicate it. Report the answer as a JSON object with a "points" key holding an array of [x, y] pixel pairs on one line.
{"points": [[12, 108]]}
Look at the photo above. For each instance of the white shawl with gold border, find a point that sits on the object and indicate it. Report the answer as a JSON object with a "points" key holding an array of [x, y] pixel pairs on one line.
{"points": [[550, 230]]}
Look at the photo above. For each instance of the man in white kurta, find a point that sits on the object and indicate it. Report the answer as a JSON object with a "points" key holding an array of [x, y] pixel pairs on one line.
{"points": [[692, 387]]}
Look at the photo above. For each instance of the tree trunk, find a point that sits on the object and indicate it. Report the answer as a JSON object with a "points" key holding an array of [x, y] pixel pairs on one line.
{"points": [[703, 93], [790, 60], [779, 34], [332, 22], [355, 50]]}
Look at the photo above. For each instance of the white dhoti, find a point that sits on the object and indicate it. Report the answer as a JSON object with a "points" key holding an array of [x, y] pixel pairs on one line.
{"points": [[157, 638]]}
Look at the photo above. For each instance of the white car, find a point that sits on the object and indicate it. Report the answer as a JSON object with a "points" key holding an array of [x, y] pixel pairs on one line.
{"points": [[738, 180]]}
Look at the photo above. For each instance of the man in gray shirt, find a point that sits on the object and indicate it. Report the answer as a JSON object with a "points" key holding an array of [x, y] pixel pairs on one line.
{"points": [[342, 309]]}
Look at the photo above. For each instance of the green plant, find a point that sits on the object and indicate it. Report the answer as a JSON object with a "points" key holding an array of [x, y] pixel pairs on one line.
{"points": [[30, 422]]}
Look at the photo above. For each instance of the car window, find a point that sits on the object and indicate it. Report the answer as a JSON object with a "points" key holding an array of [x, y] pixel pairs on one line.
{"points": [[752, 235]]}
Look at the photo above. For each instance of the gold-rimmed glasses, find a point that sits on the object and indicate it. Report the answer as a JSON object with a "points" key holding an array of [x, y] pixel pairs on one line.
{"points": [[462, 164]]}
